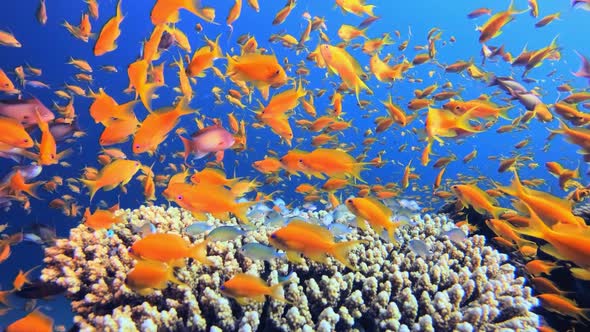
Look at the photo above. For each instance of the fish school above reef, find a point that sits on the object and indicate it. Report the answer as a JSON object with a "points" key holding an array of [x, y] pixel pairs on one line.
{"points": [[339, 111], [459, 283]]}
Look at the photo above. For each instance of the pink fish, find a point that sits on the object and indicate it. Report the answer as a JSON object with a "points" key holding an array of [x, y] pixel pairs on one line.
{"points": [[213, 139], [23, 110], [584, 70]]}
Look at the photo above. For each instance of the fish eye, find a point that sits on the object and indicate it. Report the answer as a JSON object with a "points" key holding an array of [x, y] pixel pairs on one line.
{"points": [[273, 236], [301, 160], [52, 156], [457, 107], [179, 197], [222, 287], [137, 146], [349, 201], [26, 140], [277, 72]]}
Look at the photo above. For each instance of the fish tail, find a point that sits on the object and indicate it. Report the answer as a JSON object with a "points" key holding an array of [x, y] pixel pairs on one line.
{"points": [[516, 188], [368, 9], [341, 250], [392, 228], [360, 85], [536, 228], [31, 188], [171, 277], [217, 53], [198, 252], [92, 186], [188, 147], [184, 109], [125, 111], [43, 126], [276, 291], [503, 113], [241, 211], [231, 64], [463, 121], [119, 10], [146, 94]]}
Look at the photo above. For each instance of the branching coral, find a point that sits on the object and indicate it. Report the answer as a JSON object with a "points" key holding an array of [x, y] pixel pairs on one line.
{"points": [[462, 286]]}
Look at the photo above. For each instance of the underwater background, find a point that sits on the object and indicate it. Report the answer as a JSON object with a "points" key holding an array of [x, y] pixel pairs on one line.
{"points": [[49, 47]]}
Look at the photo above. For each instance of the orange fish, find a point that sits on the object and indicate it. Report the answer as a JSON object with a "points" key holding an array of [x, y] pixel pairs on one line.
{"points": [[102, 219], [551, 209], [22, 278], [313, 241], [244, 287], [170, 248], [146, 276], [207, 198], [263, 71], [117, 173], [14, 134], [156, 127], [492, 28], [48, 148], [471, 195], [562, 305], [34, 321], [376, 214], [341, 62], [107, 39]]}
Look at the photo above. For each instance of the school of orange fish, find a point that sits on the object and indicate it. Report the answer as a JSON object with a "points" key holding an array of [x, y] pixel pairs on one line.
{"points": [[536, 220]]}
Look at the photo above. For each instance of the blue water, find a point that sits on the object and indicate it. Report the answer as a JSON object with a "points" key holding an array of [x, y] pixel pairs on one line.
{"points": [[49, 47]]}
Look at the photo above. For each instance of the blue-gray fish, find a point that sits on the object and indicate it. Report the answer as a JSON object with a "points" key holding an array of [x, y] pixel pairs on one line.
{"points": [[259, 251], [456, 235], [339, 230], [419, 248], [197, 228], [274, 219], [224, 233]]}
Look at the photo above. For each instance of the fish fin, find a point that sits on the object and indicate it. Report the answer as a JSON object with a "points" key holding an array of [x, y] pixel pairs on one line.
{"points": [[392, 228], [172, 278], [341, 250], [580, 273], [146, 94], [360, 223], [199, 215], [242, 300], [276, 292], [241, 211], [264, 91], [92, 186], [145, 291], [124, 111], [199, 253], [294, 257], [551, 251], [188, 147], [318, 257]]}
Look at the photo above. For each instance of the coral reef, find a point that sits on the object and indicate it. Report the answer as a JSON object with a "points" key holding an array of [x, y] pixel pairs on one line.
{"points": [[461, 286]]}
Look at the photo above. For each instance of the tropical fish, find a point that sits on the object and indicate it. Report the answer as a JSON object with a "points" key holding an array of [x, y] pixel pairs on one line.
{"points": [[146, 276], [313, 241], [170, 248], [244, 287]]}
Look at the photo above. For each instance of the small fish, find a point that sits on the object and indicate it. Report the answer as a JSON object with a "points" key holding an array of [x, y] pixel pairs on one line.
{"points": [[274, 219], [244, 287], [197, 228], [420, 248], [259, 251], [456, 235], [149, 275], [224, 233], [145, 229]]}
